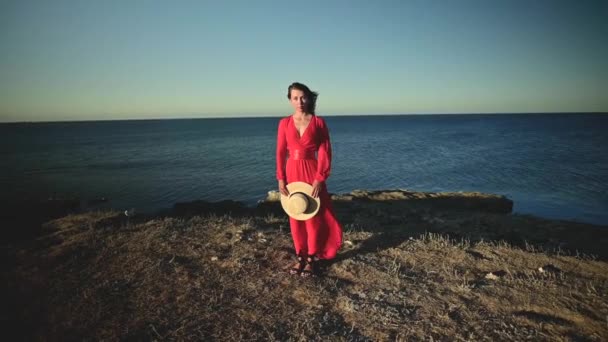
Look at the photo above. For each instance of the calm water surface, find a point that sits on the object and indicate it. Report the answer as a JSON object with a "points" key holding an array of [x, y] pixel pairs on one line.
{"points": [[551, 165]]}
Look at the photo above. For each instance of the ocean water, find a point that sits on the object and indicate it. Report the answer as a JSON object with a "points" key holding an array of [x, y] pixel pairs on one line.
{"points": [[550, 165]]}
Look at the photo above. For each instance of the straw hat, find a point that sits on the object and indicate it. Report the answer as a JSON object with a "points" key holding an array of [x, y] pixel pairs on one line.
{"points": [[300, 204]]}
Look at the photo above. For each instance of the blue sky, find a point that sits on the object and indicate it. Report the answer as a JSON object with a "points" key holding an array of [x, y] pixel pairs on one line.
{"points": [[86, 60]]}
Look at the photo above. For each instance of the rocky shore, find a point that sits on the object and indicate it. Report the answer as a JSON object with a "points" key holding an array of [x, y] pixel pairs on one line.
{"points": [[414, 266]]}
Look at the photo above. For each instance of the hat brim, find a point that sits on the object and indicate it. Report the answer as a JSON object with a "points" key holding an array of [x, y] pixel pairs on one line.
{"points": [[314, 204]]}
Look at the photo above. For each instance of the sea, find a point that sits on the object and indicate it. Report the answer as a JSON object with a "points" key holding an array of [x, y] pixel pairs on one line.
{"points": [[550, 165]]}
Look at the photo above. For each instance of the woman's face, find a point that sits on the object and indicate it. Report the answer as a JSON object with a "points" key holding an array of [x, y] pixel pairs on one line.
{"points": [[298, 100]]}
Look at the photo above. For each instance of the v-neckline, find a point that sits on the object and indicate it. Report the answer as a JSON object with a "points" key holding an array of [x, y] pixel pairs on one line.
{"points": [[293, 120]]}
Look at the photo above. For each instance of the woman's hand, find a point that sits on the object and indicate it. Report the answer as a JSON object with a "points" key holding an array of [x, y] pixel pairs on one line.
{"points": [[283, 188], [316, 188]]}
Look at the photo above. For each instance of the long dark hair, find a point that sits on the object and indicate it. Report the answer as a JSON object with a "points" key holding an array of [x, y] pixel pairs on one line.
{"points": [[311, 96]]}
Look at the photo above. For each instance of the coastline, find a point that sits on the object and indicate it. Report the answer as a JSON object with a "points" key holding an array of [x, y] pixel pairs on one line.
{"points": [[472, 215], [413, 265]]}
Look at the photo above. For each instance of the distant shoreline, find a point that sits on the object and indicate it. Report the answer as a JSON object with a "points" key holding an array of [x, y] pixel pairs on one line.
{"points": [[458, 213], [74, 204]]}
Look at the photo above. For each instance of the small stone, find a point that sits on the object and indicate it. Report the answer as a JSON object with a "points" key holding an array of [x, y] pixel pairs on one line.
{"points": [[214, 258], [549, 269], [273, 196], [348, 243], [491, 276]]}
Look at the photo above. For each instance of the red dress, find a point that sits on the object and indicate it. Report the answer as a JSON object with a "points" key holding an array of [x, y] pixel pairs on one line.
{"points": [[320, 235]]}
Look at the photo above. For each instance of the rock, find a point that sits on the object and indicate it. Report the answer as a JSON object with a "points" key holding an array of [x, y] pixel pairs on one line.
{"points": [[435, 200], [273, 196], [549, 269], [495, 275], [491, 276], [214, 258]]}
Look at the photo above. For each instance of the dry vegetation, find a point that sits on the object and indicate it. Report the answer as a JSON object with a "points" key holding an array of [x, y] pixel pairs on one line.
{"points": [[97, 276]]}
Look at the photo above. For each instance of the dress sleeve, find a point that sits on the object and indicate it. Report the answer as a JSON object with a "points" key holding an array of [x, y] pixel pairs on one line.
{"points": [[281, 151], [324, 154]]}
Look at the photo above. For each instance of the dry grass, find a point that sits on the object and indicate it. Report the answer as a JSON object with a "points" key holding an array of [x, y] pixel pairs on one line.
{"points": [[93, 276]]}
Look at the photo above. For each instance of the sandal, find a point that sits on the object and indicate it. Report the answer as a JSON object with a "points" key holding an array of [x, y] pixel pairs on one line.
{"points": [[297, 269], [309, 270]]}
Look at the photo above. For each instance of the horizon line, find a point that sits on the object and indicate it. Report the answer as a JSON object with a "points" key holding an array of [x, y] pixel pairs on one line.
{"points": [[280, 116]]}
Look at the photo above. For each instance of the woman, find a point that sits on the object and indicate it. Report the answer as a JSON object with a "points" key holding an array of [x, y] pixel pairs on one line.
{"points": [[300, 136]]}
